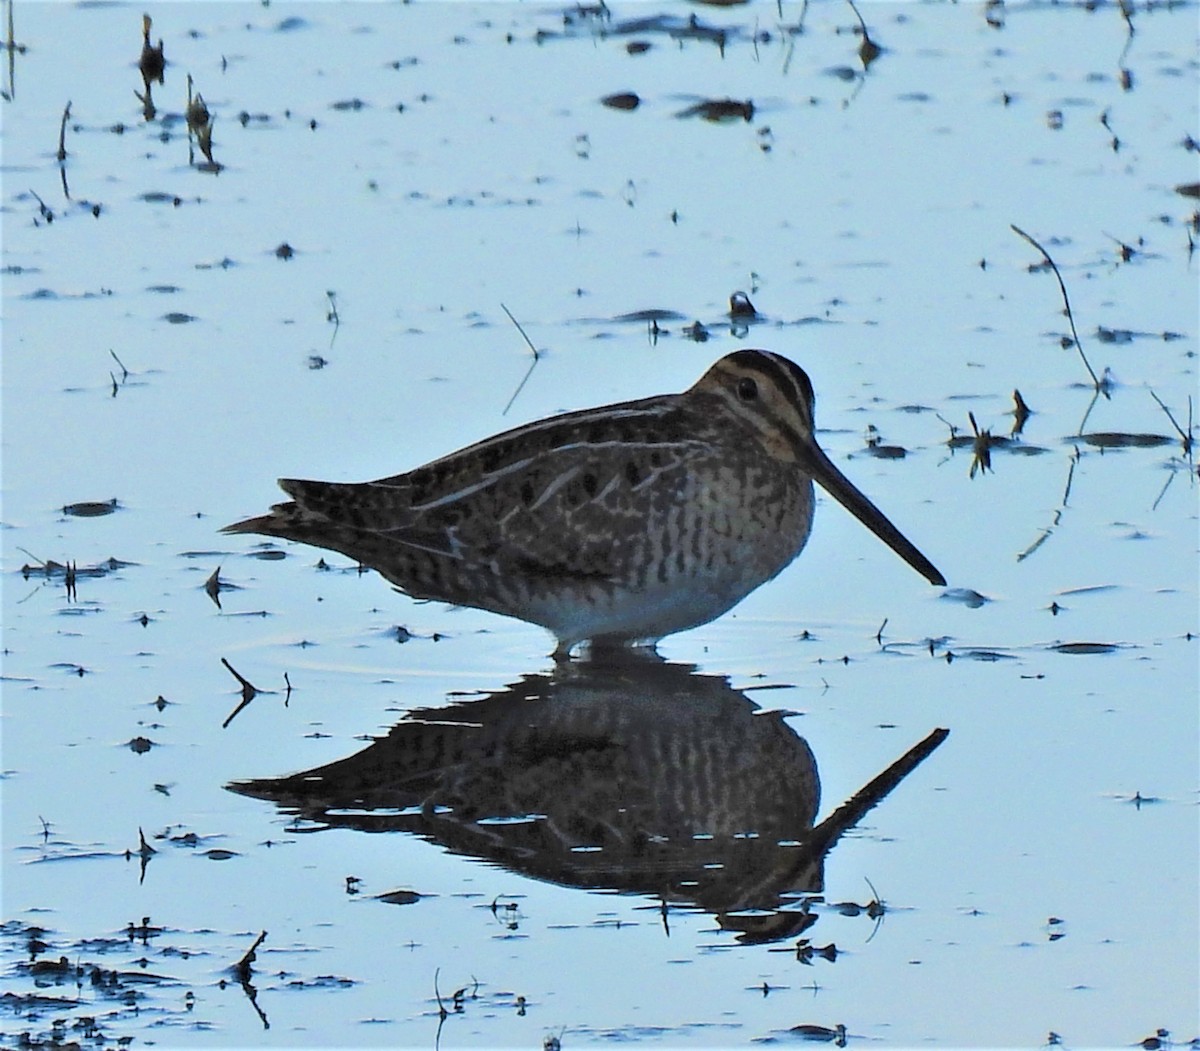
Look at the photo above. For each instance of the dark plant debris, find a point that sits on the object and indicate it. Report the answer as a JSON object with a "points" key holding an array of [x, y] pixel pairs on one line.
{"points": [[720, 111]]}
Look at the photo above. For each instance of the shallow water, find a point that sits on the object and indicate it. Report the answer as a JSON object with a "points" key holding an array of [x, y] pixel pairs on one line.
{"points": [[1035, 874]]}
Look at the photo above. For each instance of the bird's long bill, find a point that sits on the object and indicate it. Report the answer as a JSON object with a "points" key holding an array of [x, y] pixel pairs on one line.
{"points": [[844, 492]]}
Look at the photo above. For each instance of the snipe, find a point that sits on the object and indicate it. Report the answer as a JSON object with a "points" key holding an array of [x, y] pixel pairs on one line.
{"points": [[615, 525]]}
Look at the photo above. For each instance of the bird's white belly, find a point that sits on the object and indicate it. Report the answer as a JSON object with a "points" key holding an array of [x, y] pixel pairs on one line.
{"points": [[646, 614]]}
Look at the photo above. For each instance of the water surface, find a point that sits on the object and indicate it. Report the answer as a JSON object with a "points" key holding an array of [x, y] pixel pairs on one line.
{"points": [[325, 300]]}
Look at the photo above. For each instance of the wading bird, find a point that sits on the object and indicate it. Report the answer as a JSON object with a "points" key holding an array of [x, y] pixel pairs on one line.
{"points": [[616, 525]]}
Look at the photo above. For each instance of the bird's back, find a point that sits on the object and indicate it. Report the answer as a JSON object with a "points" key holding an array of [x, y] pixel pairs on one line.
{"points": [[627, 521]]}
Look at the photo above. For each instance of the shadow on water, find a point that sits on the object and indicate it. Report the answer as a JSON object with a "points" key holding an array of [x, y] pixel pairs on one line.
{"points": [[635, 775]]}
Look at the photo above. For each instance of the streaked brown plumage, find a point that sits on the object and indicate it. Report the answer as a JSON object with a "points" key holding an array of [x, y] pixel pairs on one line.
{"points": [[627, 774], [619, 524]]}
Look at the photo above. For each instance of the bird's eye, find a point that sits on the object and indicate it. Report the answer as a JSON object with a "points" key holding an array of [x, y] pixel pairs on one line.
{"points": [[747, 389]]}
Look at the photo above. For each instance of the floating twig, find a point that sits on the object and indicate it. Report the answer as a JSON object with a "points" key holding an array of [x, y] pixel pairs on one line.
{"points": [[249, 692], [875, 906], [822, 1033], [213, 586], [1096, 382], [1186, 438], [43, 210], [981, 448], [243, 968], [144, 848], [868, 50], [26, 551], [331, 315], [952, 428], [1087, 415], [536, 358], [1127, 14], [145, 853], [1187, 441], [124, 370], [1021, 413], [1058, 513], [1114, 143], [62, 134], [791, 32], [13, 49], [442, 1012]]}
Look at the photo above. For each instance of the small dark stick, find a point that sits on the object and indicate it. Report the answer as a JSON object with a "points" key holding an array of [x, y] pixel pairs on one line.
{"points": [[442, 1012], [243, 968], [536, 358], [1185, 438], [249, 692], [124, 370], [331, 315], [981, 447], [868, 50], [1066, 303], [212, 586], [1021, 412], [144, 848], [44, 211], [1058, 514], [62, 134], [13, 49]]}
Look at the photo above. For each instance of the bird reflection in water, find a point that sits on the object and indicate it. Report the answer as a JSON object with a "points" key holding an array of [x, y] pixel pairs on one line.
{"points": [[634, 775]]}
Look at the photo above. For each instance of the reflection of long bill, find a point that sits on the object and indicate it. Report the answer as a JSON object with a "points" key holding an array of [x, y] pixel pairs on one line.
{"points": [[821, 469]]}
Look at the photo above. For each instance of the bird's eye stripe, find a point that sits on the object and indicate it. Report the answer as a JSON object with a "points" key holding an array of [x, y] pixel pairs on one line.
{"points": [[777, 372]]}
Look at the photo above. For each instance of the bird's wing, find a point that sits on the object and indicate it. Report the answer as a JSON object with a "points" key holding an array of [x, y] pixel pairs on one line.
{"points": [[557, 497]]}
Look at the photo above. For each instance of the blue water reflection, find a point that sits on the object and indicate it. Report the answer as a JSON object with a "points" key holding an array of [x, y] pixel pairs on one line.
{"points": [[635, 775]]}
